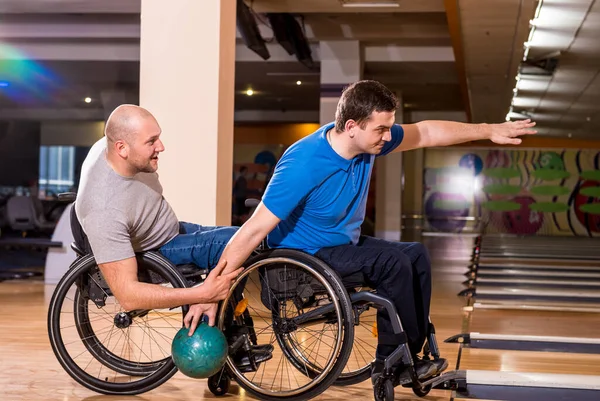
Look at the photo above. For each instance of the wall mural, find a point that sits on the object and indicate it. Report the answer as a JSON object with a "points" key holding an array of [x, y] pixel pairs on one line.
{"points": [[544, 192]]}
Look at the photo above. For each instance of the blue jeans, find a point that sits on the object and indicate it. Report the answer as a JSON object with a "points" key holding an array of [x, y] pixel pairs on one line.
{"points": [[200, 245]]}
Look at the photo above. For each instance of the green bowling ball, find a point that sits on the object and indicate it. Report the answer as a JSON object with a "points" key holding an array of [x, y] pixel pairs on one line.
{"points": [[201, 355]]}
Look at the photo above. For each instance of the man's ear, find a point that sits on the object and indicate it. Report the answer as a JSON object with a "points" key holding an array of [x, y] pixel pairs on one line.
{"points": [[349, 127], [121, 148]]}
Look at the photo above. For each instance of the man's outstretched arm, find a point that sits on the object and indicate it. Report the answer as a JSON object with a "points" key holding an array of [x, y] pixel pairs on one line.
{"points": [[122, 279], [248, 237], [433, 133], [237, 251]]}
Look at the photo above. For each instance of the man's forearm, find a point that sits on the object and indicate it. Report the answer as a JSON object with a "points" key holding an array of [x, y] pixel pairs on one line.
{"points": [[151, 296], [240, 247], [444, 133]]}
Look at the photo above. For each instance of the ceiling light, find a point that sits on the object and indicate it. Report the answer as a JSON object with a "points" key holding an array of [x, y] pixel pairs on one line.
{"points": [[249, 92], [377, 4], [298, 82], [87, 100]]}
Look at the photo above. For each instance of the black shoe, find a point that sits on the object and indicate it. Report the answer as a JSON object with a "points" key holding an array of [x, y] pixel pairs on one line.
{"points": [[423, 369], [441, 364], [259, 353]]}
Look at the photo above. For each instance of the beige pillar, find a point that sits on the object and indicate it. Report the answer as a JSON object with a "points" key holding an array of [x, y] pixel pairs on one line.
{"points": [[388, 193], [187, 65]]}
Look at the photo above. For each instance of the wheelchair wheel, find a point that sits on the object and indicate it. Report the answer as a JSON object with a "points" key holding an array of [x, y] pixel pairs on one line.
{"points": [[105, 348], [296, 308], [358, 368]]}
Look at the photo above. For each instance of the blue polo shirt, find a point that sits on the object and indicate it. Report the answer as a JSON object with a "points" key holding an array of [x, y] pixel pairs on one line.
{"points": [[319, 196]]}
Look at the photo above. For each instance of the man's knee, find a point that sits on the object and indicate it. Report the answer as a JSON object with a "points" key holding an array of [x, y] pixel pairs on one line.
{"points": [[418, 253], [395, 266]]}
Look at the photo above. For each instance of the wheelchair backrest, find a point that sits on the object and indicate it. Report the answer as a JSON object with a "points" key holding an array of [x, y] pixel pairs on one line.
{"points": [[81, 239]]}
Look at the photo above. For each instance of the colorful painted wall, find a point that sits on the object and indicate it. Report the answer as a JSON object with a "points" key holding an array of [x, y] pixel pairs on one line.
{"points": [[516, 191]]}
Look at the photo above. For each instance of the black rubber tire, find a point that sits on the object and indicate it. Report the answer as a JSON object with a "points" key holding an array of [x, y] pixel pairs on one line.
{"points": [[358, 377], [219, 384], [152, 261], [421, 392], [347, 321], [383, 390]]}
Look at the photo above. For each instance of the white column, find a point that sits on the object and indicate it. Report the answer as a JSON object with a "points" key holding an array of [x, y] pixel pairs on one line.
{"points": [[341, 64], [187, 65], [388, 192]]}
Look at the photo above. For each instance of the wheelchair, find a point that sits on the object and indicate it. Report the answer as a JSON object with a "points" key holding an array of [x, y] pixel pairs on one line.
{"points": [[287, 312]]}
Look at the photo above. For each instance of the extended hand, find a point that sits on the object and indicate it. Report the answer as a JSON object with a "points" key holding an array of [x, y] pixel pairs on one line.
{"points": [[217, 284], [507, 133], [196, 311]]}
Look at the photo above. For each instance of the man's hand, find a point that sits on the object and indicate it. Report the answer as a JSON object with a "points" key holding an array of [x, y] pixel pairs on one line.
{"points": [[196, 311], [507, 133], [216, 286]]}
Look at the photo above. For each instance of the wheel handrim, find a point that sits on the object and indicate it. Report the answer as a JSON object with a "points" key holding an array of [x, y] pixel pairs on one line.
{"points": [[340, 329]]}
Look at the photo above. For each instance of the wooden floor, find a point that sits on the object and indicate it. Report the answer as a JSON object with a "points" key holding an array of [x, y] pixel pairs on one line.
{"points": [[29, 369]]}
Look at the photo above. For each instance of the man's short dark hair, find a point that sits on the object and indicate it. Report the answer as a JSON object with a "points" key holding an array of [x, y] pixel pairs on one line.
{"points": [[361, 99]]}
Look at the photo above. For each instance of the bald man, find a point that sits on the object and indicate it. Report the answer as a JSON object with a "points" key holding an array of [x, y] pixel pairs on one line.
{"points": [[122, 211]]}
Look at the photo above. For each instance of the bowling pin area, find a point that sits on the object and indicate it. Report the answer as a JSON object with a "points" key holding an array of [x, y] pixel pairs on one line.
{"points": [[520, 318]]}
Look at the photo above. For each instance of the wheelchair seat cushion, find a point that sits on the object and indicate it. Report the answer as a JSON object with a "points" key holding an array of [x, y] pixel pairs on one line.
{"points": [[354, 280]]}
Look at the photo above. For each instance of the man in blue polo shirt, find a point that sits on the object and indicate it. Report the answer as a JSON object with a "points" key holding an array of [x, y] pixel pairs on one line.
{"points": [[316, 201]]}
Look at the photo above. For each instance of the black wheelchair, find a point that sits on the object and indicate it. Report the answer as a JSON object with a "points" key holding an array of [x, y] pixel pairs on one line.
{"points": [[288, 313]]}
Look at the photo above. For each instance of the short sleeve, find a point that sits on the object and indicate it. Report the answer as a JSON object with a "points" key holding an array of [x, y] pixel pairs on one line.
{"points": [[397, 135], [108, 236], [290, 184]]}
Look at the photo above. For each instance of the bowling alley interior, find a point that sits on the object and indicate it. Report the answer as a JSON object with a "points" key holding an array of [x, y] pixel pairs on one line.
{"points": [[292, 200]]}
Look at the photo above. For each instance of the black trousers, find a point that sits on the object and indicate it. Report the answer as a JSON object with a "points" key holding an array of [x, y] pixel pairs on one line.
{"points": [[399, 271]]}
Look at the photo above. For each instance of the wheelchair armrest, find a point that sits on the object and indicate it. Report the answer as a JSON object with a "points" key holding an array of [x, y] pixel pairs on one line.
{"points": [[191, 270], [67, 196], [251, 202], [77, 249]]}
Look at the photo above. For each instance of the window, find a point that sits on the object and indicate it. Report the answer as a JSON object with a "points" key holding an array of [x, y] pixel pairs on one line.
{"points": [[57, 168]]}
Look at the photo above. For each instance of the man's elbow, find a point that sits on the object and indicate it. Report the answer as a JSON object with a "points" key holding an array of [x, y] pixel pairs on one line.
{"points": [[126, 300], [127, 304]]}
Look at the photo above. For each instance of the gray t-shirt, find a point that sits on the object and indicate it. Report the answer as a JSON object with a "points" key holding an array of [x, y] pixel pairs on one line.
{"points": [[121, 215]]}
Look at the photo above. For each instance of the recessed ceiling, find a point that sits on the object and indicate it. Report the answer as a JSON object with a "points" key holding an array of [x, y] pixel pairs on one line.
{"points": [[487, 46]]}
